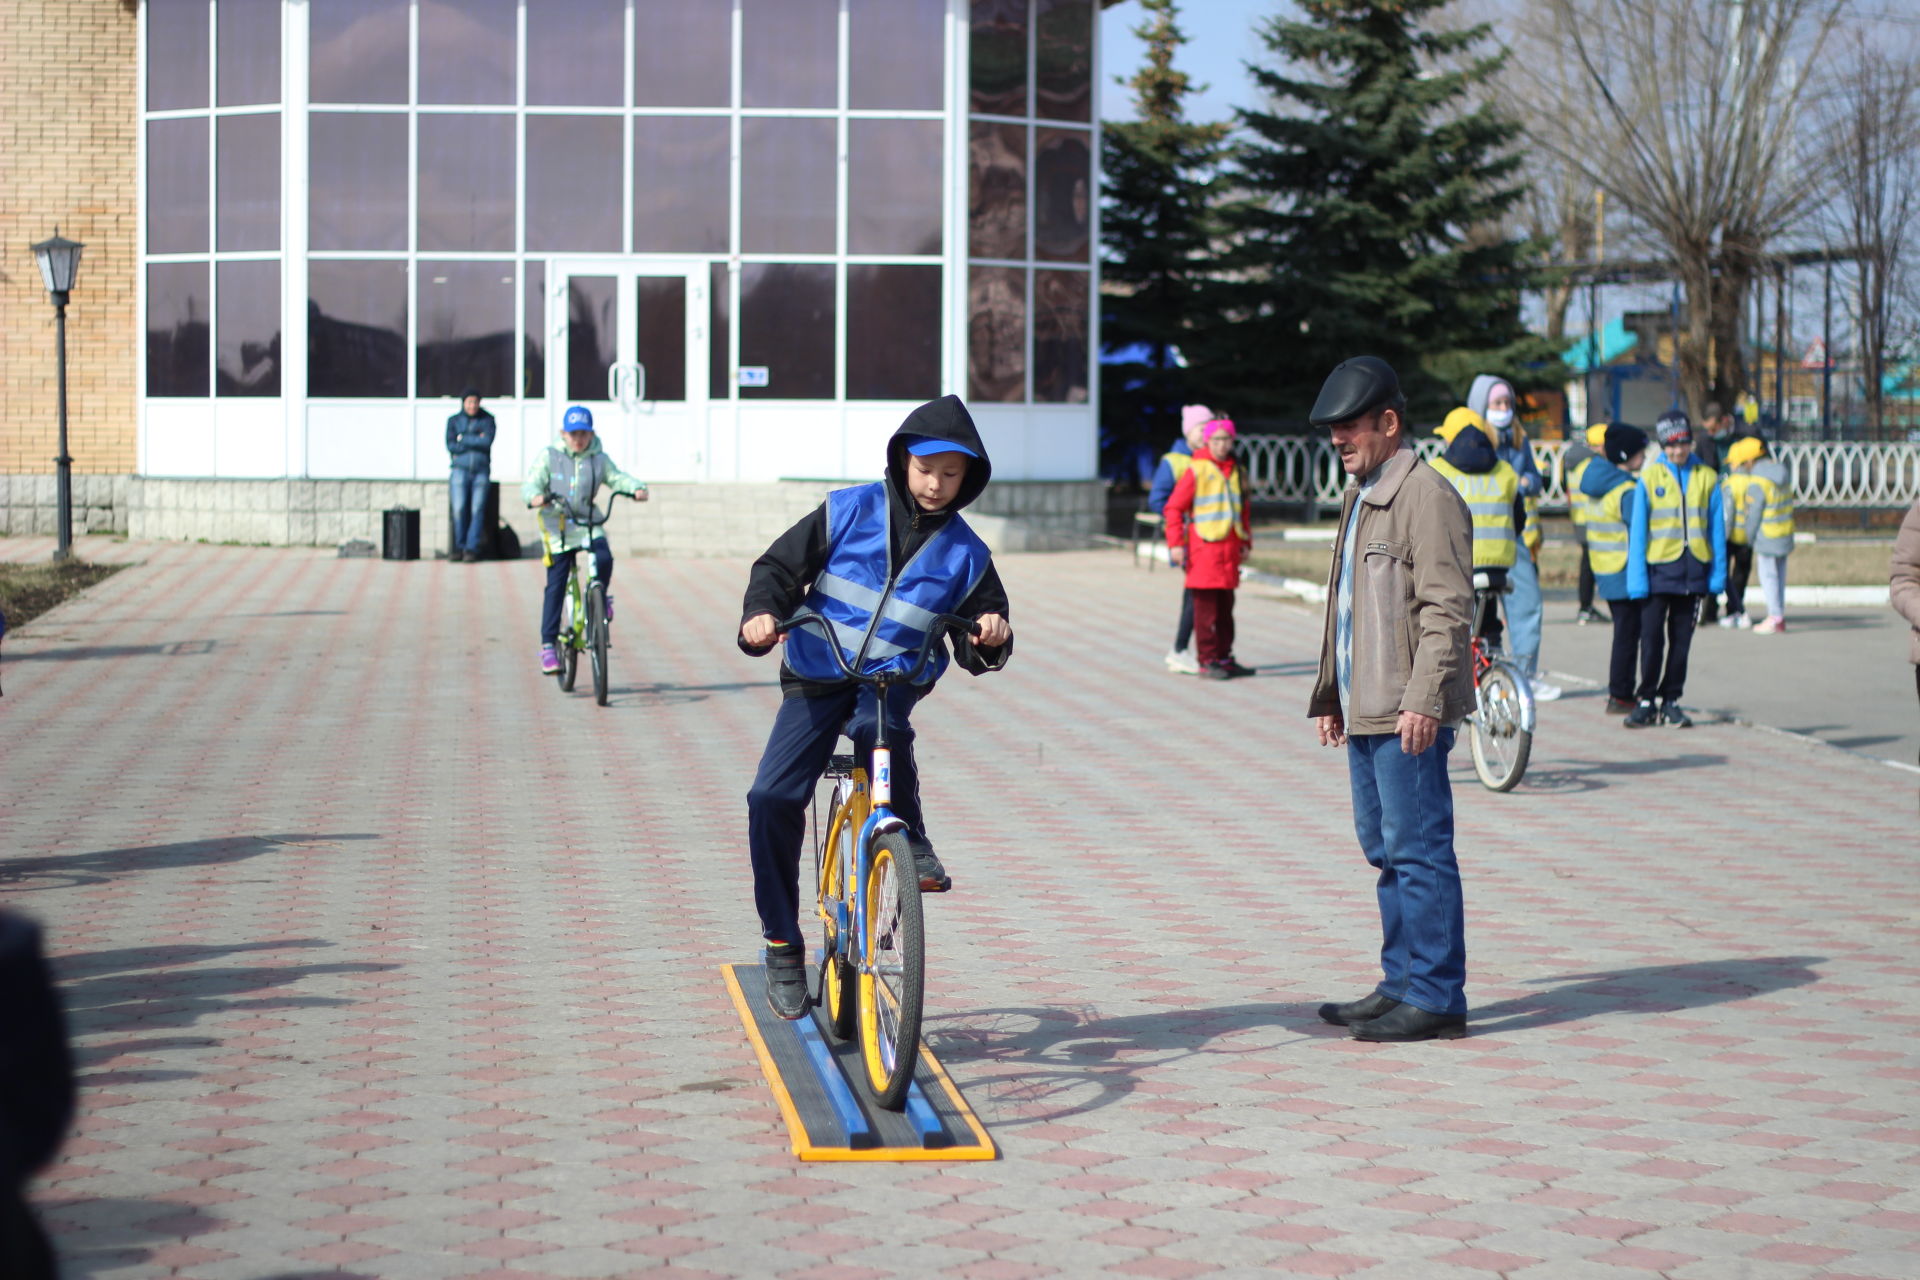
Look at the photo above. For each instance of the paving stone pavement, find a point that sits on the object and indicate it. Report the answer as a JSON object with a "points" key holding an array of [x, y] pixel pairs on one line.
{"points": [[385, 960]]}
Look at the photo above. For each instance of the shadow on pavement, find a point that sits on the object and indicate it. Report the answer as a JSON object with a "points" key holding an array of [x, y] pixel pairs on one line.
{"points": [[1574, 776], [81, 653], [166, 988], [1067, 1062], [104, 1236], [69, 869], [659, 692], [1653, 989]]}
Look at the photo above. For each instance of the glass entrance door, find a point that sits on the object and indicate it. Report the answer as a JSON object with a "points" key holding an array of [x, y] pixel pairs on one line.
{"points": [[628, 339]]}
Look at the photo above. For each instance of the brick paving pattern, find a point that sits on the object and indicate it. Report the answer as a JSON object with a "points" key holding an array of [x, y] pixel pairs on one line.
{"points": [[386, 960]]}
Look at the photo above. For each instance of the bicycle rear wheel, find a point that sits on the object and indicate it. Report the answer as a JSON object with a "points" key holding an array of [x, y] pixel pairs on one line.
{"points": [[839, 992], [1500, 732], [892, 971], [597, 639]]}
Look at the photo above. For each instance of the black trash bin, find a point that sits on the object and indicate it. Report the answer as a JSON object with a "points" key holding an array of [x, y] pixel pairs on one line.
{"points": [[400, 534]]}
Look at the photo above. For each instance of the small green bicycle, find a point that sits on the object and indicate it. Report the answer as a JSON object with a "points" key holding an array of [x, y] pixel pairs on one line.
{"points": [[584, 624]]}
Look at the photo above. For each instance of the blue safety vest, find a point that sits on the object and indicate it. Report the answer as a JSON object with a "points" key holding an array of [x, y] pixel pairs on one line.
{"points": [[882, 622]]}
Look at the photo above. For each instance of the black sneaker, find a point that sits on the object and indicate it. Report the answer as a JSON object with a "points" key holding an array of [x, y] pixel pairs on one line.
{"points": [[1618, 706], [933, 876], [1236, 670], [1644, 716], [787, 980], [1670, 713]]}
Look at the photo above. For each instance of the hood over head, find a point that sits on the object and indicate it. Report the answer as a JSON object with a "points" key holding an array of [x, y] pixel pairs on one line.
{"points": [[944, 419], [1471, 450], [1482, 391], [1771, 468]]}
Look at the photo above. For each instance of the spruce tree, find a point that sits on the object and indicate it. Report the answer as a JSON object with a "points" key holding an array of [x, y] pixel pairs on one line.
{"points": [[1367, 212], [1157, 171]]}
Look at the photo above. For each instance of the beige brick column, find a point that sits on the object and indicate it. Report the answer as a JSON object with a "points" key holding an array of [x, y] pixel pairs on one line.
{"points": [[68, 113]]}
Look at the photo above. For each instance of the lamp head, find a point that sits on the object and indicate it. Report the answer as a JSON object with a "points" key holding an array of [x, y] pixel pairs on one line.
{"points": [[59, 260]]}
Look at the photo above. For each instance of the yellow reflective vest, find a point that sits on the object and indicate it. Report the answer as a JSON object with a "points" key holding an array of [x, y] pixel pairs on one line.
{"points": [[1489, 497], [1219, 501], [1607, 529], [1578, 503], [1741, 492], [1676, 521]]}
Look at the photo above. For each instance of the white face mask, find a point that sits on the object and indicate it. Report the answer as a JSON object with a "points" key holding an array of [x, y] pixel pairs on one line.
{"points": [[1499, 419]]}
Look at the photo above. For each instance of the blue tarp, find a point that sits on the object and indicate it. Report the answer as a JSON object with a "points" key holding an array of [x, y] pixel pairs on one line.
{"points": [[1615, 341]]}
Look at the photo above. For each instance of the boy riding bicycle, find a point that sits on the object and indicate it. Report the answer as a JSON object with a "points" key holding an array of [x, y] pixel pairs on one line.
{"points": [[899, 545], [566, 479]]}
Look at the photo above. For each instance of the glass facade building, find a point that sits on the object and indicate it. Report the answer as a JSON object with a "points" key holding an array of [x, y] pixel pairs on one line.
{"points": [[747, 233]]}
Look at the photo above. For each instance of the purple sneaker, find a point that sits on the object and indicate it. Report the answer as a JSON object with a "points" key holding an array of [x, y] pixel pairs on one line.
{"points": [[549, 660], [609, 608]]}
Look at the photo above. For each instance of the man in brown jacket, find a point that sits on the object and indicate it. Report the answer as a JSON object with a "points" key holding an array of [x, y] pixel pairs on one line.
{"points": [[1904, 580], [1394, 679]]}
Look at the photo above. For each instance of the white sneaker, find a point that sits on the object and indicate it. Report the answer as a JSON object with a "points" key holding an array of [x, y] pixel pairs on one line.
{"points": [[1746, 623], [1544, 692], [1729, 622], [1182, 660]]}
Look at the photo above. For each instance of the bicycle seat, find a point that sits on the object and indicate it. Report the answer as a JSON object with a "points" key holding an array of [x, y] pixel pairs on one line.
{"points": [[839, 766]]}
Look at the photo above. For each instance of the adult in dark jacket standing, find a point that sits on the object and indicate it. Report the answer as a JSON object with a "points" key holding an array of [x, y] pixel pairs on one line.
{"points": [[1394, 679], [470, 442]]}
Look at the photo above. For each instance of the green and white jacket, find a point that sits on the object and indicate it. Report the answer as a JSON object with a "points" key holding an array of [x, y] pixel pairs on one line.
{"points": [[571, 479]]}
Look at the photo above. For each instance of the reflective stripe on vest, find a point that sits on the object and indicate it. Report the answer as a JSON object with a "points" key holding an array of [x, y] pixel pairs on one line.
{"points": [[1219, 502], [1607, 530], [1489, 497], [1579, 505], [1738, 491], [882, 622], [1677, 522]]}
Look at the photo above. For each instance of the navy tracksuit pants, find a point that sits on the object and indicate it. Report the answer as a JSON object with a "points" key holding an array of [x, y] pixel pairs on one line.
{"points": [[550, 607], [805, 732]]}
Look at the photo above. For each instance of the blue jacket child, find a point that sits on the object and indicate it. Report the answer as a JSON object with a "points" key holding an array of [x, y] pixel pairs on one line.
{"points": [[1686, 576], [899, 548]]}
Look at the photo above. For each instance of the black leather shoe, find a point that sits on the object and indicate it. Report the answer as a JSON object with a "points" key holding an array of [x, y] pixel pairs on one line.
{"points": [[1643, 716], [1405, 1022], [1357, 1011], [787, 980], [1670, 713]]}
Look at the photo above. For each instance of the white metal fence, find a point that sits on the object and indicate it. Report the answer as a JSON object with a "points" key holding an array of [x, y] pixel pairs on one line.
{"points": [[1305, 469]]}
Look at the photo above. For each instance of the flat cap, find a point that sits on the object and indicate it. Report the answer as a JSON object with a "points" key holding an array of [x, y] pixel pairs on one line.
{"points": [[1356, 386]]}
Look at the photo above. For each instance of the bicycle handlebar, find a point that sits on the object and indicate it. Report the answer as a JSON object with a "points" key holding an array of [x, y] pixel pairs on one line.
{"points": [[594, 518], [942, 623]]}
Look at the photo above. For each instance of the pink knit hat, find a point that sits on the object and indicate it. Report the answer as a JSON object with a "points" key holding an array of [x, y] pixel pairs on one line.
{"points": [[1194, 415], [1218, 425]]}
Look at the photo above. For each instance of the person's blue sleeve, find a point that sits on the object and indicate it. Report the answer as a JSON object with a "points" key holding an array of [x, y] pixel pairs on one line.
{"points": [[483, 438], [1636, 505], [454, 446], [1717, 521], [1162, 487]]}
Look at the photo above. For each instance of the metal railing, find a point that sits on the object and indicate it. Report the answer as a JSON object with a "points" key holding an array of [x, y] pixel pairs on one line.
{"points": [[1304, 469]]}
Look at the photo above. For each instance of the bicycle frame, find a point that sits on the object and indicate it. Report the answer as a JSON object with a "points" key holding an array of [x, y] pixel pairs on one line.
{"points": [[577, 580]]}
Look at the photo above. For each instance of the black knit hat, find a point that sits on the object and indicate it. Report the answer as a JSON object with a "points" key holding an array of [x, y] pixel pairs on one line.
{"points": [[1623, 442]]}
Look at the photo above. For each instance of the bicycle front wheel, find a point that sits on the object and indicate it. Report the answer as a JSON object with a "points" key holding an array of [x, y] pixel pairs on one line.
{"points": [[1500, 732], [597, 639], [892, 971]]}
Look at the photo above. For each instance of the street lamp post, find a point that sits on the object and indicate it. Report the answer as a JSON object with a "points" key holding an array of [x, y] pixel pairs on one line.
{"points": [[59, 263]]}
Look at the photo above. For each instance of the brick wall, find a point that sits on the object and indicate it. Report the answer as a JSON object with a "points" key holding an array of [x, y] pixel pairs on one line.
{"points": [[68, 112]]}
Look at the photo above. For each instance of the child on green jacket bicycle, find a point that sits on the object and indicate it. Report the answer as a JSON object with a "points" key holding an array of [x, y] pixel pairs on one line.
{"points": [[565, 480], [898, 545]]}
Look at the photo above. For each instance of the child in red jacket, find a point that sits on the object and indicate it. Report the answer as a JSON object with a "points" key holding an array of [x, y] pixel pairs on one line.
{"points": [[1209, 531]]}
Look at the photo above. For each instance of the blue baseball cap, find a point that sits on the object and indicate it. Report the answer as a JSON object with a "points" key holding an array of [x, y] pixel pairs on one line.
{"points": [[579, 418], [926, 446]]}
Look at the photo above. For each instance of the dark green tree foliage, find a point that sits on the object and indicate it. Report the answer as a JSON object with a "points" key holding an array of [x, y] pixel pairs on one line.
{"points": [[1368, 202], [1157, 174]]}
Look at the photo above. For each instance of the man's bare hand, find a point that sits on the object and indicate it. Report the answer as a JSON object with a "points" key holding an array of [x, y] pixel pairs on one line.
{"points": [[1333, 730], [994, 630], [758, 631], [1417, 732]]}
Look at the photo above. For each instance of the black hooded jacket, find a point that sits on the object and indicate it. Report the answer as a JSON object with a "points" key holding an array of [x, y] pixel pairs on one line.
{"points": [[1473, 453], [780, 577]]}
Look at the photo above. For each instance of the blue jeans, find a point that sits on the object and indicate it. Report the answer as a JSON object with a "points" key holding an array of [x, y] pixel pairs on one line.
{"points": [[1403, 814], [556, 597], [1523, 612], [804, 735], [469, 491]]}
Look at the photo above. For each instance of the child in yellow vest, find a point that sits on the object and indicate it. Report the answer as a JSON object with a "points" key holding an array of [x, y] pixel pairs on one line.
{"points": [[1760, 524]]}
